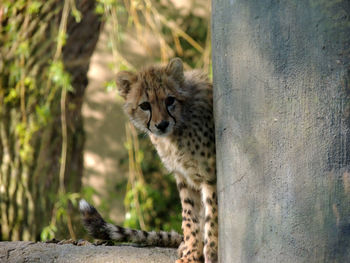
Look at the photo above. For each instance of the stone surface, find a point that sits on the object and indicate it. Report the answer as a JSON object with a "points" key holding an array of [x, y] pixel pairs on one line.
{"points": [[30, 252], [282, 108]]}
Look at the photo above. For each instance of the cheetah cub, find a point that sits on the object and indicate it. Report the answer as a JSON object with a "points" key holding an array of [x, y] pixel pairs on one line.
{"points": [[175, 108]]}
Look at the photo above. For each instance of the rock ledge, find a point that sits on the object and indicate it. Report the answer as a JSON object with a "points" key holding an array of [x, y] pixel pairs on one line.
{"points": [[26, 251]]}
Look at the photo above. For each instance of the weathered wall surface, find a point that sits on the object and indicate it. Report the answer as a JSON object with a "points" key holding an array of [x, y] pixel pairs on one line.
{"points": [[282, 108], [21, 251]]}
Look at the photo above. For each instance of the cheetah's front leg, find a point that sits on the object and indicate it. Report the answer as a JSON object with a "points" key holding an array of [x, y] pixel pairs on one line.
{"points": [[209, 199], [191, 250]]}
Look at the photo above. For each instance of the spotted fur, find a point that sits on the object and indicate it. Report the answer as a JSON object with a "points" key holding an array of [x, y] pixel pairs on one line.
{"points": [[175, 108]]}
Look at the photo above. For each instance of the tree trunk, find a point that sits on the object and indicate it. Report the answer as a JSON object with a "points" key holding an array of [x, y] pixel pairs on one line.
{"points": [[282, 109], [30, 118]]}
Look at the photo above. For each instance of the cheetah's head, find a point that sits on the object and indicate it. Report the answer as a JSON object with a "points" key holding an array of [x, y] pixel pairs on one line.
{"points": [[154, 97]]}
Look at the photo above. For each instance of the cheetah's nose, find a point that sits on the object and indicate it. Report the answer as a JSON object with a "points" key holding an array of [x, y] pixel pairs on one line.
{"points": [[162, 125]]}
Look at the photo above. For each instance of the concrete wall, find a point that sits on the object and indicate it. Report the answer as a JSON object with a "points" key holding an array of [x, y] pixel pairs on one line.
{"points": [[282, 107]]}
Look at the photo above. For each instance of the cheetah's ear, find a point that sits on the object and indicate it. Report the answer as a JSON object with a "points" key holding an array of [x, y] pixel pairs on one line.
{"points": [[175, 69], [124, 81]]}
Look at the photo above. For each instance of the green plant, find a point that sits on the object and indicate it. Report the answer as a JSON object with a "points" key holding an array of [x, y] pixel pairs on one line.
{"points": [[36, 101], [151, 200]]}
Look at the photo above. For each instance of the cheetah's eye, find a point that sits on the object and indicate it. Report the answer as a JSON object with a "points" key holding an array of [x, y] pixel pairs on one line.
{"points": [[169, 101], [145, 106]]}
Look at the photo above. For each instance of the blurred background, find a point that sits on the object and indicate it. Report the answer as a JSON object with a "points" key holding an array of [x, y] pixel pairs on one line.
{"points": [[63, 134]]}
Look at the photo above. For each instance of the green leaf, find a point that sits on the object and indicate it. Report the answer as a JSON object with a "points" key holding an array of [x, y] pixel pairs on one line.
{"points": [[59, 76], [23, 49], [61, 38], [34, 7], [13, 95], [99, 9], [29, 82], [77, 15], [73, 197], [110, 86], [43, 113], [61, 213], [48, 232]]}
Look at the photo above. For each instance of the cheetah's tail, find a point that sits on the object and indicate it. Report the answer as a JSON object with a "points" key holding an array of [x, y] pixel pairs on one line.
{"points": [[100, 229]]}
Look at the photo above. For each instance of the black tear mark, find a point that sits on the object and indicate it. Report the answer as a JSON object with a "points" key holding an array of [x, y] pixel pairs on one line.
{"points": [[150, 118]]}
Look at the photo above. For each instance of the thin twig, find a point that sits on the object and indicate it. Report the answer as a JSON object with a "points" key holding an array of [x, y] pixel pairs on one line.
{"points": [[62, 30]]}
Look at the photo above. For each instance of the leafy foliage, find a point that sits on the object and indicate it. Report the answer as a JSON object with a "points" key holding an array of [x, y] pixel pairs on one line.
{"points": [[151, 200], [34, 89]]}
